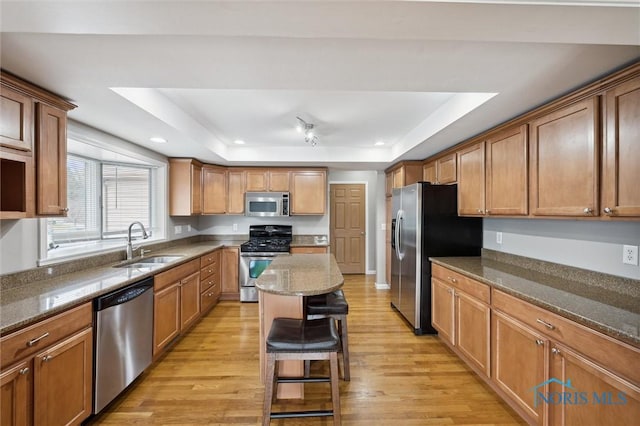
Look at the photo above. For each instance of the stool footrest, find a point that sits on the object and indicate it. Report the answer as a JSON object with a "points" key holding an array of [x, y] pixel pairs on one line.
{"points": [[304, 379], [293, 414]]}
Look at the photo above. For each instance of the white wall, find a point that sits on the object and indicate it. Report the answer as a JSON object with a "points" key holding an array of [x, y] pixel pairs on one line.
{"points": [[223, 225], [592, 245]]}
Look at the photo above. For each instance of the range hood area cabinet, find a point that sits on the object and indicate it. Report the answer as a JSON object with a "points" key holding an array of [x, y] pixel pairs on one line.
{"points": [[33, 150], [196, 188]]}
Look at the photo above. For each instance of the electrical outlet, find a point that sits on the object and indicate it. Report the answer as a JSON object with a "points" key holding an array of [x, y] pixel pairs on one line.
{"points": [[234, 226], [383, 226], [499, 237], [188, 228], [630, 255], [177, 229]]}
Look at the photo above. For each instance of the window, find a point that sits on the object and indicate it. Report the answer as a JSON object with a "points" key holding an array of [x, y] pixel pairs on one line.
{"points": [[106, 192]]}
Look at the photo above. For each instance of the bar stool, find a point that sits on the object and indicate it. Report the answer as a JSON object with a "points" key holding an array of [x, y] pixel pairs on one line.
{"points": [[333, 305], [300, 339]]}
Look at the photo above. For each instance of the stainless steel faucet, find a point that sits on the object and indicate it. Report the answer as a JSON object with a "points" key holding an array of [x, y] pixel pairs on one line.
{"points": [[129, 245]]}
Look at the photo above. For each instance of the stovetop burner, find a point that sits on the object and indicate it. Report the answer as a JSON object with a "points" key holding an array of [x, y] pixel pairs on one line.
{"points": [[268, 238]]}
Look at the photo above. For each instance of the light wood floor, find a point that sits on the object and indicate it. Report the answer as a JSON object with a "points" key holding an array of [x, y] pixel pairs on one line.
{"points": [[397, 378]]}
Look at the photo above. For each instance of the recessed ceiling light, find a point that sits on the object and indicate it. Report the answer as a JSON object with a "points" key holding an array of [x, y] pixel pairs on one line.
{"points": [[379, 143], [158, 139], [238, 142]]}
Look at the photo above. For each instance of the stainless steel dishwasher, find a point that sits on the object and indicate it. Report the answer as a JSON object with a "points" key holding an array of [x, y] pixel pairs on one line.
{"points": [[123, 342]]}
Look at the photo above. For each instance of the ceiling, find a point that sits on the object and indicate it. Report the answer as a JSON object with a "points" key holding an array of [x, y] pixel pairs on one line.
{"points": [[419, 76]]}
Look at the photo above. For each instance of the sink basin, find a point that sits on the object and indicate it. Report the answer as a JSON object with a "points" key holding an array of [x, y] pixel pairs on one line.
{"points": [[146, 262]]}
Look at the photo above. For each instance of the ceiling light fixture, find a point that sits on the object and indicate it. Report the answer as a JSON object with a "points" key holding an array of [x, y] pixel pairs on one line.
{"points": [[379, 143], [158, 139], [238, 142], [307, 128]]}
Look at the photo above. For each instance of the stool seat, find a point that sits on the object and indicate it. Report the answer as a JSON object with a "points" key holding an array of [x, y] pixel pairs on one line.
{"points": [[333, 303], [297, 335]]}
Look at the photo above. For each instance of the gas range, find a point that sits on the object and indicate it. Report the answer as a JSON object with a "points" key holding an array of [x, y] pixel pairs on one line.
{"points": [[265, 243]]}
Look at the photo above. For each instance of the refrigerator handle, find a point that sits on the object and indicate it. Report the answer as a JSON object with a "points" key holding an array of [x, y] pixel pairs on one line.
{"points": [[398, 234], [393, 234]]}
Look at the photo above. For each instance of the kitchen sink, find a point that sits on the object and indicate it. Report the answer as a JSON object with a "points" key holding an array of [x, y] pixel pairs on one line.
{"points": [[146, 262]]}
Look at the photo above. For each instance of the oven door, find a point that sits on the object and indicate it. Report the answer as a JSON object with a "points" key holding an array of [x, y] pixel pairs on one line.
{"points": [[251, 266]]}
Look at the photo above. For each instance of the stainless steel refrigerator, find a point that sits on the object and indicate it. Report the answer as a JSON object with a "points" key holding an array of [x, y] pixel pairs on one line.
{"points": [[425, 224]]}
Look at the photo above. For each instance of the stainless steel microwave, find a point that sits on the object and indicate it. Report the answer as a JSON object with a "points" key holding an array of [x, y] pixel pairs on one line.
{"points": [[266, 204]]}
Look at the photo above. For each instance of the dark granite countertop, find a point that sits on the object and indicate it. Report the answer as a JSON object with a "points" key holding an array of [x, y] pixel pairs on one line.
{"points": [[309, 241], [301, 275], [602, 302], [25, 303]]}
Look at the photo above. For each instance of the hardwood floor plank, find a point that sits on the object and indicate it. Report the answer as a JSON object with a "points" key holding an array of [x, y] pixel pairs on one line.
{"points": [[397, 378]]}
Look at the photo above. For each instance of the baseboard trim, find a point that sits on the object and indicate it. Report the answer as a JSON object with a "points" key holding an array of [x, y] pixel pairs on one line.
{"points": [[382, 286]]}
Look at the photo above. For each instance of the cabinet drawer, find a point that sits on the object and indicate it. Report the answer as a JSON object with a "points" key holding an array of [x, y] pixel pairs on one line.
{"points": [[212, 258], [44, 333], [209, 297], [470, 286], [610, 353], [208, 282], [165, 279], [209, 271]]}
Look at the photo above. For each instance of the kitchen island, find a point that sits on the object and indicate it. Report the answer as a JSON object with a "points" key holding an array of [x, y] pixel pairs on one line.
{"points": [[282, 287]]}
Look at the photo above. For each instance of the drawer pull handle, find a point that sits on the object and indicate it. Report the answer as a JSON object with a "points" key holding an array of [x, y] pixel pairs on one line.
{"points": [[539, 342], [24, 371], [33, 342], [555, 351], [546, 324], [46, 358]]}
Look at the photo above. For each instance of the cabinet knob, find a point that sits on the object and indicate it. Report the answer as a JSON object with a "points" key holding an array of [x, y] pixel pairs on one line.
{"points": [[46, 358], [608, 211], [65, 210], [480, 211], [555, 351], [24, 371], [587, 210], [539, 342]]}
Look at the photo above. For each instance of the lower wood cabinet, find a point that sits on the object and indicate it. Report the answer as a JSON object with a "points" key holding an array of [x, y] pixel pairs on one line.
{"points": [[308, 250], [176, 303], [549, 369], [210, 282], [47, 371], [230, 278]]}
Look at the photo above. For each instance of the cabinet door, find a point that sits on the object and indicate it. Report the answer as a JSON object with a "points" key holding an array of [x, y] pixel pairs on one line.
{"points": [[564, 161], [166, 316], [230, 263], [189, 300], [214, 191], [442, 310], [279, 180], [235, 194], [15, 391], [621, 163], [518, 363], [507, 174], [446, 169], [472, 330], [63, 381], [398, 177], [185, 187], [598, 396], [471, 180], [429, 173], [196, 189], [51, 161], [388, 184], [256, 180], [16, 118], [308, 192]]}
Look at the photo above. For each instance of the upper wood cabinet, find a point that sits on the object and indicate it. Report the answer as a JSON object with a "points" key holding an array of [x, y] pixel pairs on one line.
{"points": [[621, 152], [256, 180], [185, 187], [230, 273], [33, 150], [429, 172], [308, 192], [51, 152], [446, 169], [403, 174], [564, 162], [507, 172], [471, 184], [16, 119], [214, 189], [235, 191], [279, 180]]}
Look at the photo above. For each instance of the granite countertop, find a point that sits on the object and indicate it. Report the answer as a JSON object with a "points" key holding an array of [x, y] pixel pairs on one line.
{"points": [[23, 304], [613, 310], [301, 275], [309, 241]]}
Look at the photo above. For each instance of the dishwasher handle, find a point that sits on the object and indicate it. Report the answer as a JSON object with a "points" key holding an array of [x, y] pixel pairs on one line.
{"points": [[122, 295]]}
